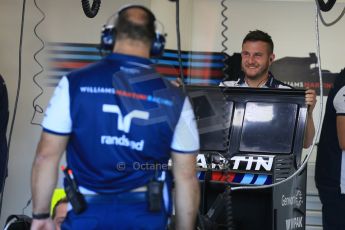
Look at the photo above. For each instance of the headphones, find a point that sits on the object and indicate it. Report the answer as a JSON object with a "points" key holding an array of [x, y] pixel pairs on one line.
{"points": [[108, 34]]}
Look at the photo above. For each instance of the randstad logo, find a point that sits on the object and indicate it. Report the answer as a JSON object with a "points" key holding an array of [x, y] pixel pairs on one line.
{"points": [[124, 122], [122, 141]]}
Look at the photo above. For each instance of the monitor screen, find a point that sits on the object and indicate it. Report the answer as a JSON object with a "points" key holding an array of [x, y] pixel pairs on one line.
{"points": [[213, 115], [268, 127]]}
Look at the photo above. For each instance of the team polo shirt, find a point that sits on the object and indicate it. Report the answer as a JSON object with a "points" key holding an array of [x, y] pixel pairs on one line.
{"points": [[330, 161], [123, 120], [271, 82]]}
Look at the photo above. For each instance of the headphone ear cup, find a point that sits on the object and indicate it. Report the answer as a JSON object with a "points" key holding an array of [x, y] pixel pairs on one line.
{"points": [[158, 45], [108, 36]]}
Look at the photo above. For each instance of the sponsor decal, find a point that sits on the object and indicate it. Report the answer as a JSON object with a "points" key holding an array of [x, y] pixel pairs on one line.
{"points": [[294, 223], [98, 90], [256, 163], [217, 162], [130, 70], [123, 93], [144, 97], [124, 124], [294, 200], [295, 84], [122, 141], [201, 161]]}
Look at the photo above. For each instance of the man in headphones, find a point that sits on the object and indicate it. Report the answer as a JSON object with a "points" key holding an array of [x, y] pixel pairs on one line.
{"points": [[119, 123], [257, 56]]}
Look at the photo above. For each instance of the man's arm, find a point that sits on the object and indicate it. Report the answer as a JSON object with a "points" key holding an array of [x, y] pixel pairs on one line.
{"points": [[310, 100], [341, 131], [44, 174], [187, 191]]}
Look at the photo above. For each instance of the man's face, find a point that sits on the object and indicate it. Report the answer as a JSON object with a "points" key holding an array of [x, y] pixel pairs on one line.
{"points": [[256, 59], [61, 212]]}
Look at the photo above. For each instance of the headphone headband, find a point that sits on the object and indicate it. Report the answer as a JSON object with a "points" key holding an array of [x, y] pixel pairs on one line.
{"points": [[108, 34]]}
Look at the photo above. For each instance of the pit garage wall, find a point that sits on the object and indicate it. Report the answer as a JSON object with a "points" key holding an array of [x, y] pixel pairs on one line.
{"points": [[290, 23]]}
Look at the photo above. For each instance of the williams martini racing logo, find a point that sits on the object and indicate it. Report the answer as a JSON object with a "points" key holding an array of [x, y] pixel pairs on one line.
{"points": [[246, 163]]}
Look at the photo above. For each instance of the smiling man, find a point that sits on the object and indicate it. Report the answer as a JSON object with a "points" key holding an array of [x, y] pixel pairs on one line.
{"points": [[257, 56]]}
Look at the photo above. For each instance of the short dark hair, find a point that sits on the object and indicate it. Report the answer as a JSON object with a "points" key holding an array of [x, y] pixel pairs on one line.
{"points": [[125, 28], [258, 35], [61, 201]]}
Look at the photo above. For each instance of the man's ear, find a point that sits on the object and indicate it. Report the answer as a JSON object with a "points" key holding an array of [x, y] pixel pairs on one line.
{"points": [[272, 56]]}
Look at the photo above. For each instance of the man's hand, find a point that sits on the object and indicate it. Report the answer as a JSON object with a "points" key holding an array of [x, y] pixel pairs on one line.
{"points": [[46, 224], [45, 169], [310, 100]]}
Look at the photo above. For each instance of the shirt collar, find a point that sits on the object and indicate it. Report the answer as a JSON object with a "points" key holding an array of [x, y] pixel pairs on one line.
{"points": [[270, 80], [269, 83], [128, 58]]}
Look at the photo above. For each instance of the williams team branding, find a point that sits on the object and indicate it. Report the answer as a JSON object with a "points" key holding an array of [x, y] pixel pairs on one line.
{"points": [[124, 124], [123, 93], [96, 90]]}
